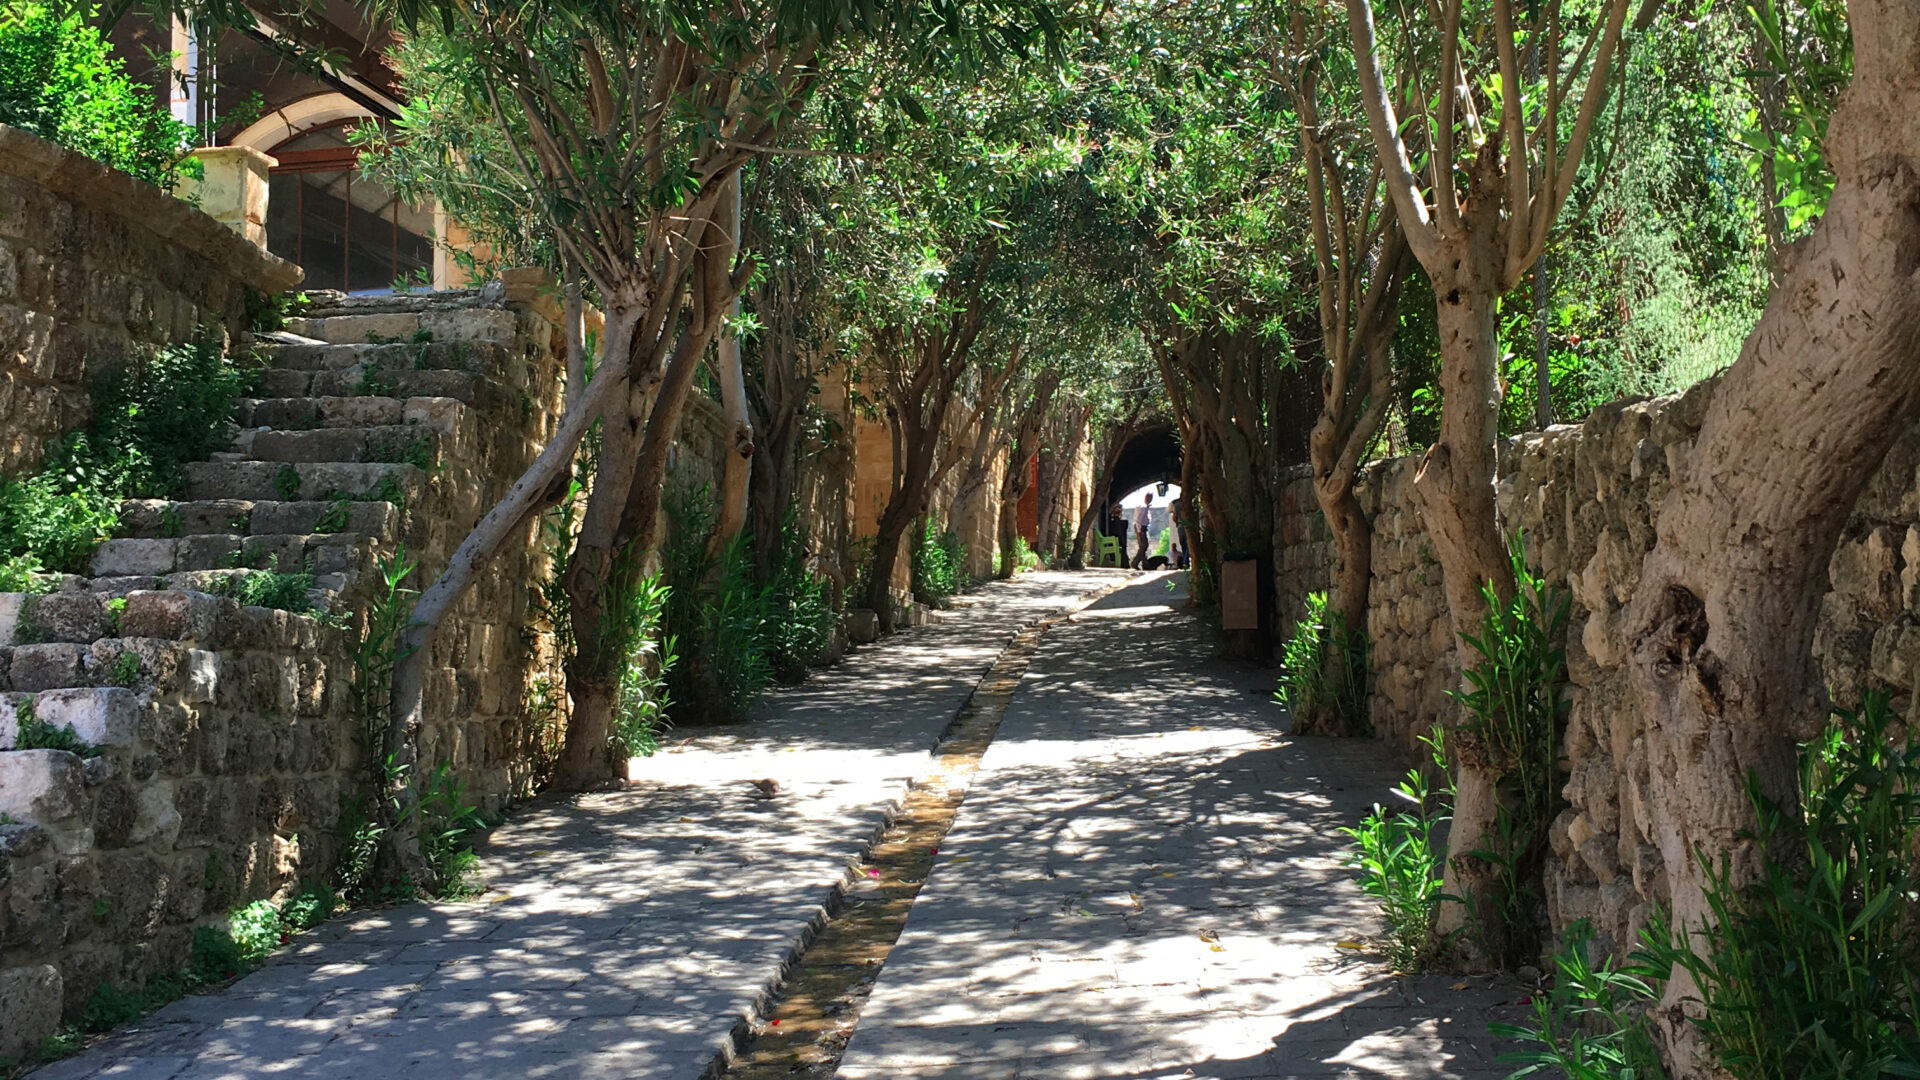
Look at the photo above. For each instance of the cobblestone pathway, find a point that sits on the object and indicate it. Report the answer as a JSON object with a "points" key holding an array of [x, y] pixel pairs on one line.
{"points": [[626, 935], [1145, 881]]}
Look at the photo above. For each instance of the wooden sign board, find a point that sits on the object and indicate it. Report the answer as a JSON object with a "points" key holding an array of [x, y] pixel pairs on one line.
{"points": [[1240, 595]]}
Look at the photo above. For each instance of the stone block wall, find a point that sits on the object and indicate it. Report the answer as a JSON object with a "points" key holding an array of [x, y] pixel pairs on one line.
{"points": [[1586, 496], [1413, 661], [223, 771], [93, 265]]}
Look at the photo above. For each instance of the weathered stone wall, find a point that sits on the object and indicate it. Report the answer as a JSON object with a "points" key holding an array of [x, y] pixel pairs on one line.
{"points": [[222, 779], [1585, 496], [1413, 661], [93, 265]]}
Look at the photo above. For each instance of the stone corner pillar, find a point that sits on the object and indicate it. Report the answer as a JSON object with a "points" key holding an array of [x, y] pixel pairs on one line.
{"points": [[233, 189]]}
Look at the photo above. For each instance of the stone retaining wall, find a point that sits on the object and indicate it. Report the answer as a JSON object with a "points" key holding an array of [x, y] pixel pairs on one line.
{"points": [[223, 773], [233, 750], [1585, 495], [94, 264]]}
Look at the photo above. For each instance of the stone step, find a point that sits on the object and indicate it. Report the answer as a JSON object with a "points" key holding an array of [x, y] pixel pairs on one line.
{"points": [[288, 553], [450, 324], [417, 444], [63, 665], [329, 302], [307, 413], [404, 356], [293, 481], [161, 519], [469, 387], [324, 596]]}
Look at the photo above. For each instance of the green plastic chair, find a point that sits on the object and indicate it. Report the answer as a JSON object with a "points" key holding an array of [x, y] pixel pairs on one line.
{"points": [[1110, 549]]}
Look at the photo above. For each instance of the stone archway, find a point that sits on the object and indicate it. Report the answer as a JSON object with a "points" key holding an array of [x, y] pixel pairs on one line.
{"points": [[1150, 456]]}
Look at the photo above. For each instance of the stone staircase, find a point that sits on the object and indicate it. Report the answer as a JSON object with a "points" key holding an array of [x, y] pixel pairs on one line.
{"points": [[224, 739], [364, 401]]}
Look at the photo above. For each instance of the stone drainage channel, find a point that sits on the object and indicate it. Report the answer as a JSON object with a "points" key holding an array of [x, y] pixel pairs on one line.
{"points": [[828, 982]]}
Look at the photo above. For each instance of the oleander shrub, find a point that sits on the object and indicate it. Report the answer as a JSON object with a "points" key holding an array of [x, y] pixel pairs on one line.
{"points": [[1399, 863], [1810, 971], [938, 563], [800, 614], [715, 614], [1323, 682]]}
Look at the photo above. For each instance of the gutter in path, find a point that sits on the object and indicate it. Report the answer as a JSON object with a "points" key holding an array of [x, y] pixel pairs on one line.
{"points": [[805, 1032]]}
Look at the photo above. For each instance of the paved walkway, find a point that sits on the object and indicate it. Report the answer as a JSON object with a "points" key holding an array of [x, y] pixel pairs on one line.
{"points": [[1145, 880], [627, 935]]}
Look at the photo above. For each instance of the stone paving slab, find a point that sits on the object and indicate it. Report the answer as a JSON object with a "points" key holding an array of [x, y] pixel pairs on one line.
{"points": [[1146, 880], [625, 934]]}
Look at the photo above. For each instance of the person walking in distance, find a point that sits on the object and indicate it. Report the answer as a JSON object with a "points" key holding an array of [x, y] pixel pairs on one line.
{"points": [[1142, 517]]}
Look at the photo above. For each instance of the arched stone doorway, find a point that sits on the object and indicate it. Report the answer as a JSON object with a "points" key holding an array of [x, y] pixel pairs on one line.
{"points": [[1150, 457]]}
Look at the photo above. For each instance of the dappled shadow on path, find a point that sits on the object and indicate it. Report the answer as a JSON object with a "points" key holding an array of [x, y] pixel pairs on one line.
{"points": [[1146, 880], [626, 934]]}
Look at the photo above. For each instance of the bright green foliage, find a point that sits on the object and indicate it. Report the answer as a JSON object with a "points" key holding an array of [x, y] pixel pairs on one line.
{"points": [[169, 407], [1325, 667], [314, 905], [286, 482], [641, 710], [1398, 864], [1590, 1025], [1515, 707], [1805, 61], [727, 631], [52, 521], [1024, 557], [939, 564], [60, 81], [1660, 268], [360, 838], [378, 646], [255, 930], [337, 515], [19, 573], [800, 613], [448, 825], [125, 670], [1812, 972], [368, 818]]}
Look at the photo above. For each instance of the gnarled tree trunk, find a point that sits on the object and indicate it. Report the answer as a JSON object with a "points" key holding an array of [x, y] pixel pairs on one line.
{"points": [[1721, 624], [1454, 490], [1056, 471], [618, 530], [737, 472]]}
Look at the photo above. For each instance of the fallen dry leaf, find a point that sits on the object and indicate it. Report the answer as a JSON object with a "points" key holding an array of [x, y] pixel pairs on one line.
{"points": [[1359, 946]]}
